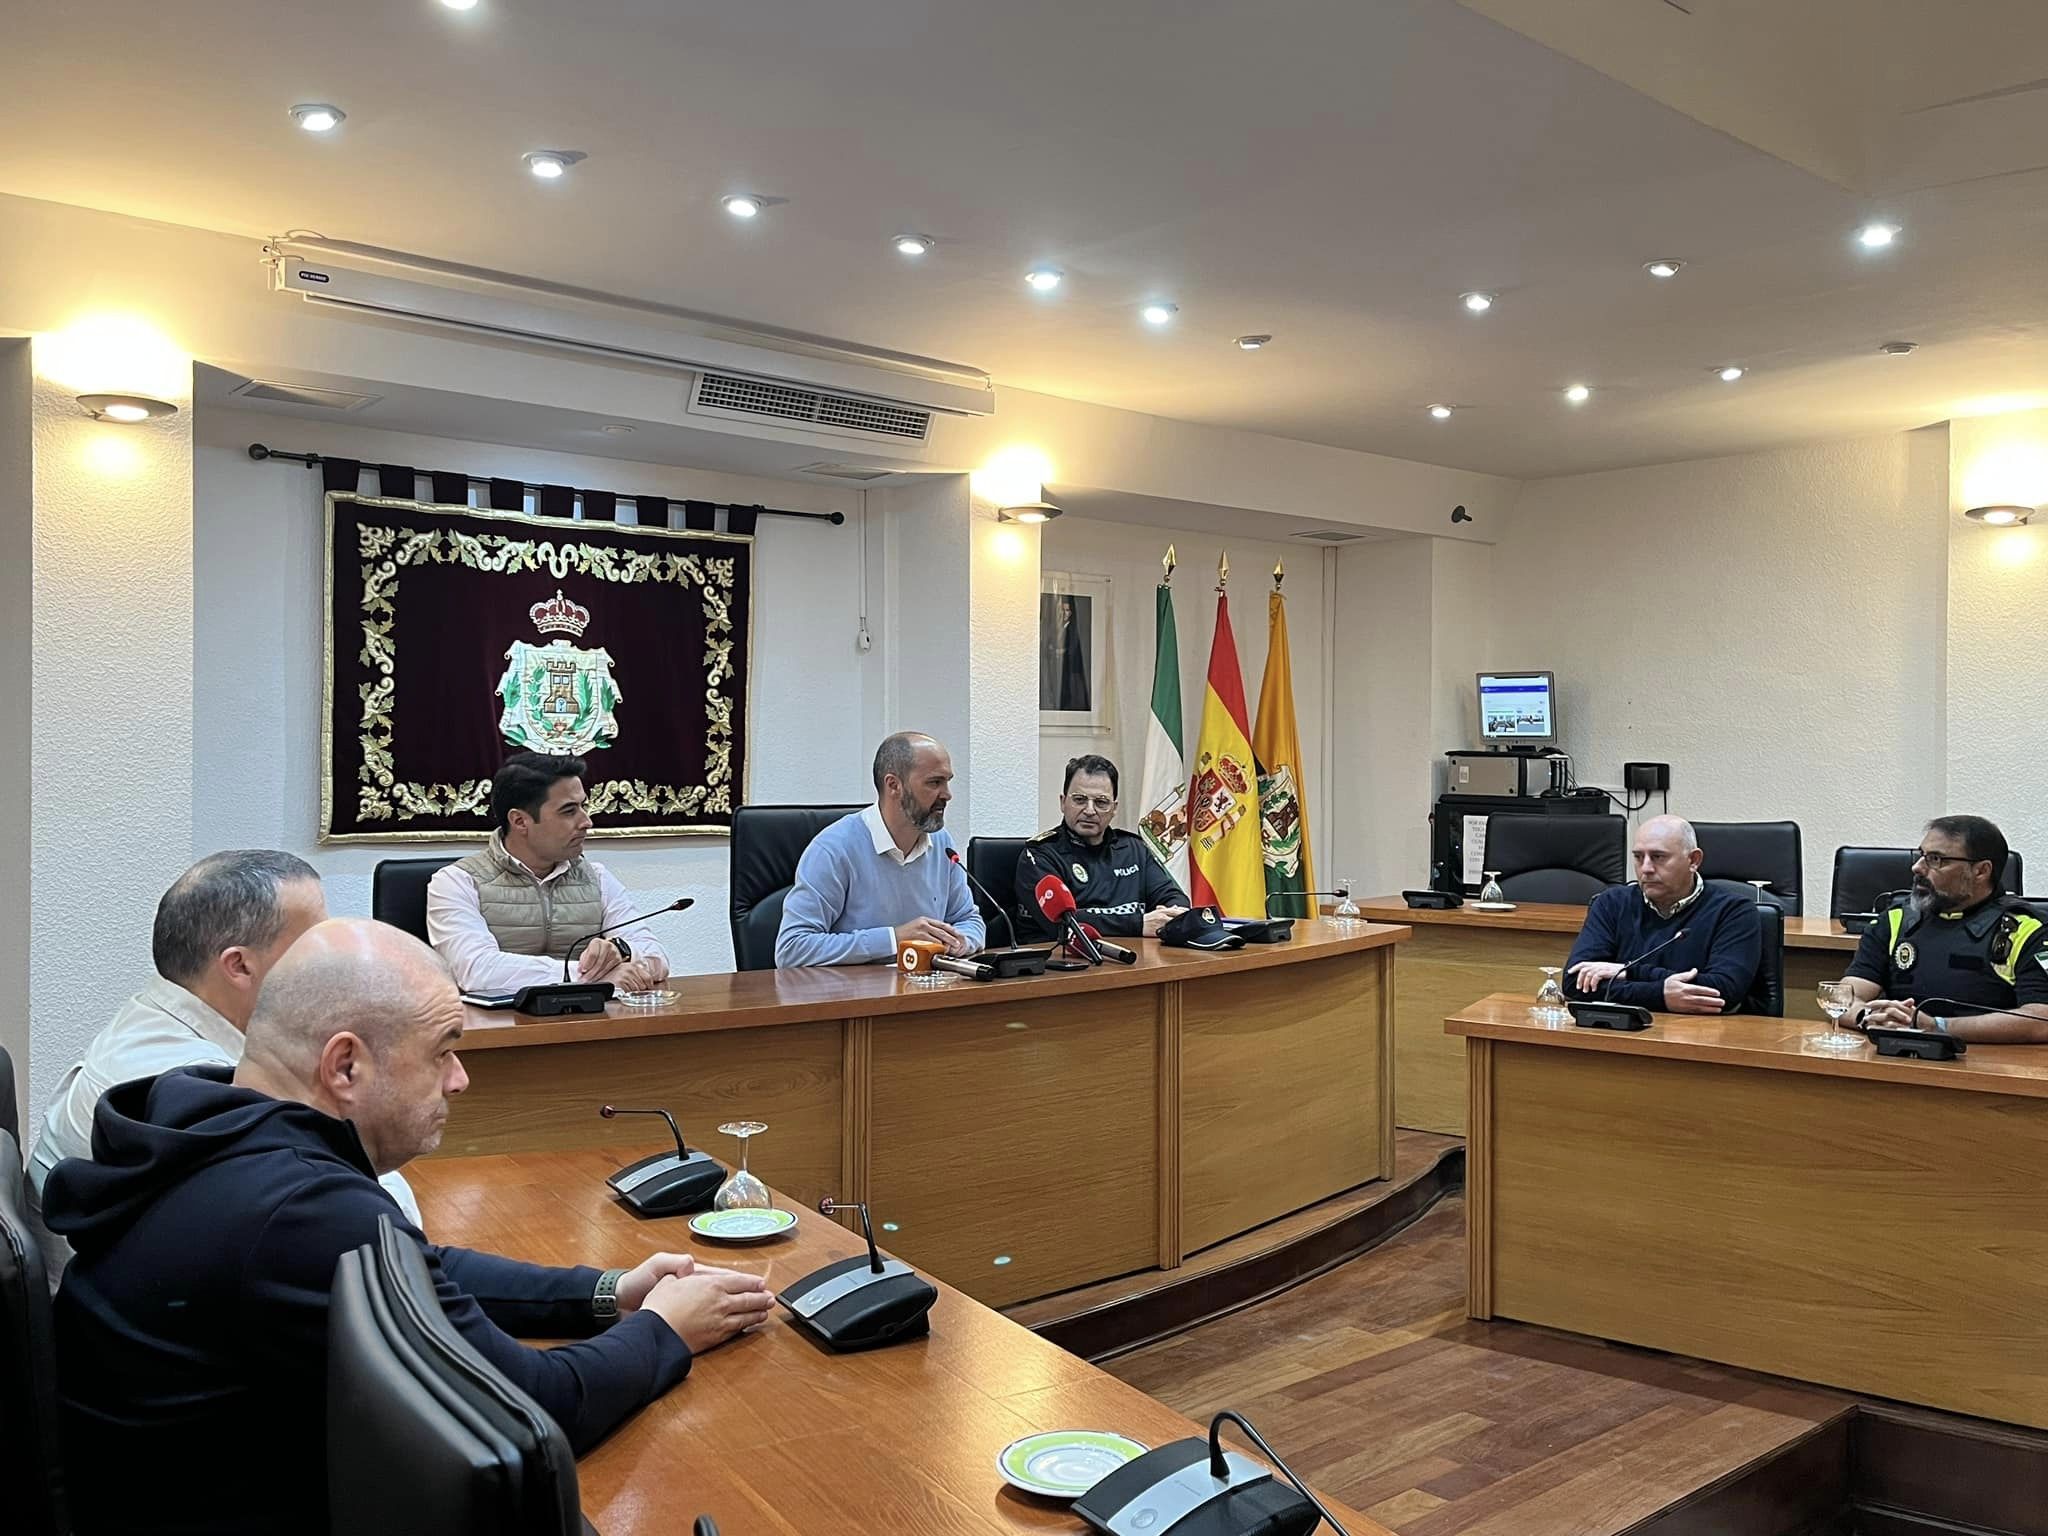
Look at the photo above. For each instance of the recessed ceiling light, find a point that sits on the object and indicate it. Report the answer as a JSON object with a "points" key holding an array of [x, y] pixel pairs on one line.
{"points": [[460, 5], [1875, 237], [1159, 312], [552, 164], [1479, 303], [616, 429], [1664, 266], [317, 116], [2006, 516], [1441, 412], [1252, 343], [741, 205], [1044, 279], [913, 245], [1578, 394], [1730, 374], [1897, 348]]}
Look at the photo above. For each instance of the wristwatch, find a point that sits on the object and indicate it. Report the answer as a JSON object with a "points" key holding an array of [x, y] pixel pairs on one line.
{"points": [[604, 1301]]}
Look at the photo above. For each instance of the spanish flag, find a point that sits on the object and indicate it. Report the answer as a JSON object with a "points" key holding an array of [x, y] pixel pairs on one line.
{"points": [[1283, 807], [1229, 867]]}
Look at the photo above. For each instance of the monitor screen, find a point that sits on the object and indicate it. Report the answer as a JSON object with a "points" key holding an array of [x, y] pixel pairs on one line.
{"points": [[1516, 707]]}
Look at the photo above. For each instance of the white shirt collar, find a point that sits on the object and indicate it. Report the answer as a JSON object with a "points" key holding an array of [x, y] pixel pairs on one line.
{"points": [[194, 1012], [1699, 887], [885, 840]]}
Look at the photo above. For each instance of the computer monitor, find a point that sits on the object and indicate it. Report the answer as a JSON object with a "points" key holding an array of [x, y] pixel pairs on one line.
{"points": [[1517, 709]]}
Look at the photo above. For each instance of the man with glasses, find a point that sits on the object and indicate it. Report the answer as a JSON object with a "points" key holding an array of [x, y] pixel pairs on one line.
{"points": [[1959, 956], [1119, 888]]}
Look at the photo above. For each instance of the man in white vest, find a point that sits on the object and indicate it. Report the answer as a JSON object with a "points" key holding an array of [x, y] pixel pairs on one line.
{"points": [[506, 917]]}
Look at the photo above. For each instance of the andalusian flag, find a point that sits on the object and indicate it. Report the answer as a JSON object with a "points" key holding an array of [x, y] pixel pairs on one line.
{"points": [[1223, 801], [1164, 793], [1283, 812]]}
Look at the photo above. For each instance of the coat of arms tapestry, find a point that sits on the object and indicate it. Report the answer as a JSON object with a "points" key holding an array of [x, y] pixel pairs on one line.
{"points": [[456, 637]]}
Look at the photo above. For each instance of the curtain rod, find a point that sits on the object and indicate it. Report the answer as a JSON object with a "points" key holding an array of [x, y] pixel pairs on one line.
{"points": [[260, 452]]}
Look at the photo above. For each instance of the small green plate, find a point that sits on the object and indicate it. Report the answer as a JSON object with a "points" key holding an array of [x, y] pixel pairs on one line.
{"points": [[750, 1225], [1064, 1463]]}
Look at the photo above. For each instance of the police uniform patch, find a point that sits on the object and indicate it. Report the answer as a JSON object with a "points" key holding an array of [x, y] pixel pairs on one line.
{"points": [[1080, 874], [1904, 955]]}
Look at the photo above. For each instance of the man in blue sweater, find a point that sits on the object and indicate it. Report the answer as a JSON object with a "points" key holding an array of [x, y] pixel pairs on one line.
{"points": [[192, 1325], [1715, 942], [881, 877]]}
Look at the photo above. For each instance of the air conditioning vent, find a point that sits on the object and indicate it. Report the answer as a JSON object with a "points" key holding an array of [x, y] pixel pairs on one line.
{"points": [[846, 471], [743, 399], [1330, 536], [273, 393]]}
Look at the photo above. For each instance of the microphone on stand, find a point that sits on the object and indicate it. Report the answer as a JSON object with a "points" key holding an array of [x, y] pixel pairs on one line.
{"points": [[681, 904], [1341, 894], [859, 1303], [1017, 959], [1056, 905], [668, 1182], [1600, 1013], [1639, 959]]}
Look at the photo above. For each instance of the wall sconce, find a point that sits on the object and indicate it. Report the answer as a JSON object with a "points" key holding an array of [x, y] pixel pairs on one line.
{"points": [[1029, 512], [125, 408], [2004, 515]]}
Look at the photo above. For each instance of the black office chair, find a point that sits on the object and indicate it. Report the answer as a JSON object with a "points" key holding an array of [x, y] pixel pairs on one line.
{"points": [[767, 840], [1567, 859], [1754, 850], [31, 1466], [1767, 992], [1864, 874], [398, 892], [9, 1116], [993, 861], [423, 1433]]}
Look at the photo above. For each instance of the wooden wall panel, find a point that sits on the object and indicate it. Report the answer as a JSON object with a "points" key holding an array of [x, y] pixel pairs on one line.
{"points": [[1440, 971]]}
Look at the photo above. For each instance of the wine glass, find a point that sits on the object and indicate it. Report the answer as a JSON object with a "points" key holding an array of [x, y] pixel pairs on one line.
{"points": [[1490, 894], [1761, 887], [1550, 1008], [1346, 911], [1836, 999], [742, 1191]]}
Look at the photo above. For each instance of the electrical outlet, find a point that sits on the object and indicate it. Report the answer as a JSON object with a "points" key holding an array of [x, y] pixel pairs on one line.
{"points": [[1646, 778]]}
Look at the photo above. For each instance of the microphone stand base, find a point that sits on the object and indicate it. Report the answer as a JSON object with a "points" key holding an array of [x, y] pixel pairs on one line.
{"points": [[668, 1185], [1018, 960]]}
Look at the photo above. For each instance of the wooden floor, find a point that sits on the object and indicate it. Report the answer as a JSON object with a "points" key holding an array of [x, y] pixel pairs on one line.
{"points": [[1372, 1382]]}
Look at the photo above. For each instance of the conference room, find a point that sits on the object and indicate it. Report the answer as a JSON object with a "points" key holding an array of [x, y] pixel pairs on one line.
{"points": [[1184, 768]]}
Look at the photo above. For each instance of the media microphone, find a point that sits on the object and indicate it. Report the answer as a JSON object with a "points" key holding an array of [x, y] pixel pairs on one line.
{"points": [[680, 904], [1109, 950], [1056, 904], [975, 970], [667, 1182]]}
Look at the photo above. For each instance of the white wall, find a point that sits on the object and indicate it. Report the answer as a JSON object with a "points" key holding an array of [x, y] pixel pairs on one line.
{"points": [[1771, 625], [256, 669], [1129, 556], [17, 693]]}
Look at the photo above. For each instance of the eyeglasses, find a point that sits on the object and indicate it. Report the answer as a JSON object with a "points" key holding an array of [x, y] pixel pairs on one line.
{"points": [[1092, 802], [1940, 861]]}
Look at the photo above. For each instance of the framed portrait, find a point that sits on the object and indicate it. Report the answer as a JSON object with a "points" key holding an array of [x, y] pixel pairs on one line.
{"points": [[1074, 662]]}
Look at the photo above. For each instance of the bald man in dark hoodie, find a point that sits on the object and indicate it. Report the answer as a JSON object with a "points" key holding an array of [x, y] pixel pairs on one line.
{"points": [[192, 1325]]}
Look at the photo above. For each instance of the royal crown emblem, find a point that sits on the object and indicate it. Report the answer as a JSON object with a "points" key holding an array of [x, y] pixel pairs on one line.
{"points": [[558, 697]]}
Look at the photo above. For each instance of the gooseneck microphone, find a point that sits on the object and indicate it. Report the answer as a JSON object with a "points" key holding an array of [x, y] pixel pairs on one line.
{"points": [[680, 904], [830, 1207], [611, 1111], [1273, 896], [1000, 910], [1056, 905], [666, 1183], [1639, 959]]}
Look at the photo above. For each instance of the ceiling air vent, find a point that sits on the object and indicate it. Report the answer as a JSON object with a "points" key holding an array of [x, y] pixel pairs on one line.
{"points": [[1330, 536], [273, 393], [846, 471], [742, 399]]}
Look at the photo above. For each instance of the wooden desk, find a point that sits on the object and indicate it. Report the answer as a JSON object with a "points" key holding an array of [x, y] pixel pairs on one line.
{"points": [[1021, 1137], [1717, 1187], [772, 1434], [1462, 954]]}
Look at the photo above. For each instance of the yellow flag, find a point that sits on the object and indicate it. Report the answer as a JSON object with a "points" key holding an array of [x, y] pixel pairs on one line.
{"points": [[1228, 871], [1283, 794]]}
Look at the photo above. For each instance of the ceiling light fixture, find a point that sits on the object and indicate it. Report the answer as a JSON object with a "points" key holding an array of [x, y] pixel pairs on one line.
{"points": [[1729, 374], [1875, 237], [460, 5], [1029, 512], [616, 429], [1897, 348], [1044, 279], [1664, 266], [742, 205], [552, 164], [1441, 412], [2005, 515], [126, 408], [317, 116], [1252, 343], [1578, 394], [1479, 303], [1158, 312], [913, 245]]}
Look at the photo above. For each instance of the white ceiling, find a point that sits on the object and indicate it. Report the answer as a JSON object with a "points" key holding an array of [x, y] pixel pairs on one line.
{"points": [[1331, 171]]}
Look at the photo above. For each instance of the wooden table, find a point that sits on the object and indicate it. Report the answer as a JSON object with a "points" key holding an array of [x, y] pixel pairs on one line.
{"points": [[1719, 1187], [1462, 954], [773, 1434], [1018, 1137]]}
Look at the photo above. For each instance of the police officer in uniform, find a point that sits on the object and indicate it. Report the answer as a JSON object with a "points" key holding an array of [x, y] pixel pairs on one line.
{"points": [[1119, 888], [1957, 948]]}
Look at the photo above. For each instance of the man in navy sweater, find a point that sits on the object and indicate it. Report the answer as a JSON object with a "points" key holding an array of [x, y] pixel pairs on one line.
{"points": [[192, 1325], [1715, 942]]}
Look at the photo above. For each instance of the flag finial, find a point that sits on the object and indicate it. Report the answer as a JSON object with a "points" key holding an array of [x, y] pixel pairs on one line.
{"points": [[1168, 561], [1279, 573], [1223, 570]]}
